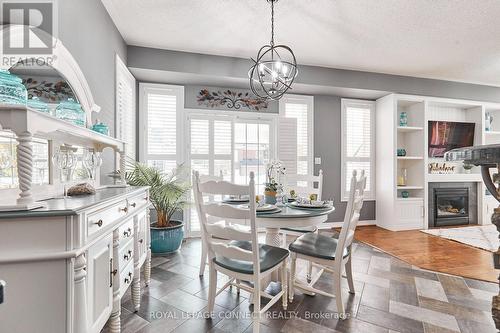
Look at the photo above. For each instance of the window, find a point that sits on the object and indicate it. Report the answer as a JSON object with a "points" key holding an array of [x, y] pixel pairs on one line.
{"points": [[8, 161], [161, 108], [229, 144], [125, 108], [358, 144], [302, 109]]}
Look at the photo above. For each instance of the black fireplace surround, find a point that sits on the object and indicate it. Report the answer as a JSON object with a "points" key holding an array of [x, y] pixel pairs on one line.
{"points": [[452, 204]]}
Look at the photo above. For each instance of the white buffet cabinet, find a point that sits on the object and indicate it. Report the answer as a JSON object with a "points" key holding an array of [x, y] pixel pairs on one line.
{"points": [[66, 266]]}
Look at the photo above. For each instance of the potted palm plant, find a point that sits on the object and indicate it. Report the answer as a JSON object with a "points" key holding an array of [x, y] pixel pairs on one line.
{"points": [[167, 194]]}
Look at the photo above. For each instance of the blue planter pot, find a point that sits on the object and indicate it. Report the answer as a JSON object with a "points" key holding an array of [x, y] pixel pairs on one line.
{"points": [[167, 240]]}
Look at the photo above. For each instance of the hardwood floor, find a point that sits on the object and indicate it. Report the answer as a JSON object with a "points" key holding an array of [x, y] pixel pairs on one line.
{"points": [[431, 252]]}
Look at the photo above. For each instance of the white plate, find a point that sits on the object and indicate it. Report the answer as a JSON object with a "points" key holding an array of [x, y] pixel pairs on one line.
{"points": [[263, 208], [308, 205]]}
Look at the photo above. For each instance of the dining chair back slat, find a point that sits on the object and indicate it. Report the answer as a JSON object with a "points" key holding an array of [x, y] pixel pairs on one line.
{"points": [[212, 233], [353, 212]]}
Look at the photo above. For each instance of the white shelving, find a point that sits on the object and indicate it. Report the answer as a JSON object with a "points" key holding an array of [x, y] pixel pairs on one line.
{"points": [[409, 128], [393, 211]]}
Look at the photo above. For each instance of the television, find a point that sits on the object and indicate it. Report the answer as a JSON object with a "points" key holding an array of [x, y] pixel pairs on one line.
{"points": [[448, 135]]}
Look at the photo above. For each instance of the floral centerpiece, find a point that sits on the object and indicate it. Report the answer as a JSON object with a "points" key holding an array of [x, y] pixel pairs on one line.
{"points": [[274, 181]]}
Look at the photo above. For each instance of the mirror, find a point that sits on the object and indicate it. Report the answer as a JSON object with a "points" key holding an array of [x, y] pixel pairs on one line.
{"points": [[43, 81]]}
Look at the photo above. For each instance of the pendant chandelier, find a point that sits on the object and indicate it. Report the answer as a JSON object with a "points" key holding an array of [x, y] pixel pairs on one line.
{"points": [[275, 68]]}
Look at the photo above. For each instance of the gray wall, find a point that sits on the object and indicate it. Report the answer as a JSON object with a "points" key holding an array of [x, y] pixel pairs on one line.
{"points": [[327, 137], [88, 32], [327, 110], [211, 66]]}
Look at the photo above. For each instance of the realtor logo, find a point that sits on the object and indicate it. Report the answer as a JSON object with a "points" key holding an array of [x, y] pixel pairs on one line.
{"points": [[38, 19]]}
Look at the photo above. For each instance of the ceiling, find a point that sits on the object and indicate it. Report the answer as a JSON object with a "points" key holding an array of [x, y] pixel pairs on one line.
{"points": [[456, 40]]}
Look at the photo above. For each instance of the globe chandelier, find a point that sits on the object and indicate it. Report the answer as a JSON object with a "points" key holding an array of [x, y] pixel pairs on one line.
{"points": [[273, 72]]}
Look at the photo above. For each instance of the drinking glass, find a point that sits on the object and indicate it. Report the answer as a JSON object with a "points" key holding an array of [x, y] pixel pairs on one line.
{"points": [[91, 161], [65, 160]]}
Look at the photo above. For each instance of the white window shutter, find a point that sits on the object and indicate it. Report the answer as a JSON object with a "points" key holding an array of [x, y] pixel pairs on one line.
{"points": [[126, 108], [287, 147]]}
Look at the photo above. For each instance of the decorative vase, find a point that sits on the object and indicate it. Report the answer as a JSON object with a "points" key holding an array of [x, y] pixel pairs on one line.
{"points": [[167, 240], [403, 119], [100, 127], [71, 111], [270, 197], [36, 104], [401, 152], [12, 89], [405, 194]]}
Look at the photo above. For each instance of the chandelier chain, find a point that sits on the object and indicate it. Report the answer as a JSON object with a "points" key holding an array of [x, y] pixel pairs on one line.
{"points": [[272, 22]]}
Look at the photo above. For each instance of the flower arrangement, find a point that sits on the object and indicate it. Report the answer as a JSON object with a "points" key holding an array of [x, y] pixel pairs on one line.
{"points": [[275, 174]]}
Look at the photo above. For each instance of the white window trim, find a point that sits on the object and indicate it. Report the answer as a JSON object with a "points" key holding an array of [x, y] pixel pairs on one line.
{"points": [[310, 123], [121, 69], [369, 195], [143, 120]]}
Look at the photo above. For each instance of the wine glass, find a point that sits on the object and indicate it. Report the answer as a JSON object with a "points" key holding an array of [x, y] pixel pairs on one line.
{"points": [[65, 160], [91, 161]]}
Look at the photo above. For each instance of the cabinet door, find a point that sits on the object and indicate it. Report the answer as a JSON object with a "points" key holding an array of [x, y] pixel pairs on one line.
{"points": [[100, 290], [410, 214]]}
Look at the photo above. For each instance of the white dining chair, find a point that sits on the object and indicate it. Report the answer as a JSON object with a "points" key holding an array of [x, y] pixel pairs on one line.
{"points": [[304, 186], [203, 261], [243, 258], [330, 254]]}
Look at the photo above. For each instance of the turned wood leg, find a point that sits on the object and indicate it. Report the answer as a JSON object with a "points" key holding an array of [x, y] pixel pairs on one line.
{"points": [[147, 269], [123, 160], [80, 313], [114, 319], [284, 285], [25, 167], [136, 281], [273, 238], [291, 287]]}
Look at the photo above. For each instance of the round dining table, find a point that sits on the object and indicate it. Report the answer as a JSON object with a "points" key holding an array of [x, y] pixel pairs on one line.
{"points": [[287, 217]]}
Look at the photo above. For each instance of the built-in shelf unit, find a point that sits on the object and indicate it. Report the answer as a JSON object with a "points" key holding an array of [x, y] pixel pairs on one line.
{"points": [[395, 212]]}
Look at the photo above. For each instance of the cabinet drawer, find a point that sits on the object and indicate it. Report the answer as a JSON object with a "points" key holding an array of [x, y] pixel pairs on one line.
{"points": [[142, 236], [126, 231], [125, 278], [137, 202], [125, 255], [105, 216]]}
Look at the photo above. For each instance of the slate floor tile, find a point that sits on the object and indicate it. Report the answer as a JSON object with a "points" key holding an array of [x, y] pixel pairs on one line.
{"points": [[376, 297], [424, 315], [403, 292], [298, 325], [184, 301], [389, 320], [430, 288]]}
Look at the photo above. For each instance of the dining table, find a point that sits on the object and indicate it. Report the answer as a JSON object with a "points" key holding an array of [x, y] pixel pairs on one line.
{"points": [[292, 218]]}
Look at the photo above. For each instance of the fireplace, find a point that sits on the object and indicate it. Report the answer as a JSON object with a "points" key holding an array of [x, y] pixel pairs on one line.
{"points": [[452, 204]]}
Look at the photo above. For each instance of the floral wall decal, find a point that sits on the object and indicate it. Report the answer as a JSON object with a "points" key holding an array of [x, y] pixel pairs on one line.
{"points": [[230, 99]]}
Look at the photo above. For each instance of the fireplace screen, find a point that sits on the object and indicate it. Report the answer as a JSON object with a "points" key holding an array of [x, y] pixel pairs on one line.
{"points": [[451, 205]]}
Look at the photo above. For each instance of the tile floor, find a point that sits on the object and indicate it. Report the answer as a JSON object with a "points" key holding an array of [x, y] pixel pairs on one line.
{"points": [[391, 296]]}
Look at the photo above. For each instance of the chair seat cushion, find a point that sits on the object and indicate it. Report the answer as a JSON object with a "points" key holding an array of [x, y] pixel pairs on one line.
{"points": [[270, 256], [317, 246]]}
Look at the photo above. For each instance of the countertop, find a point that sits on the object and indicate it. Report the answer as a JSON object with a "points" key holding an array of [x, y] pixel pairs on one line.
{"points": [[73, 205]]}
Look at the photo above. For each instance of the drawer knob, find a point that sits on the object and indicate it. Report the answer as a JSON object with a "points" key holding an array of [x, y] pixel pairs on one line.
{"points": [[133, 204], [127, 232], [128, 255], [124, 209], [127, 280], [99, 223], [141, 240]]}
